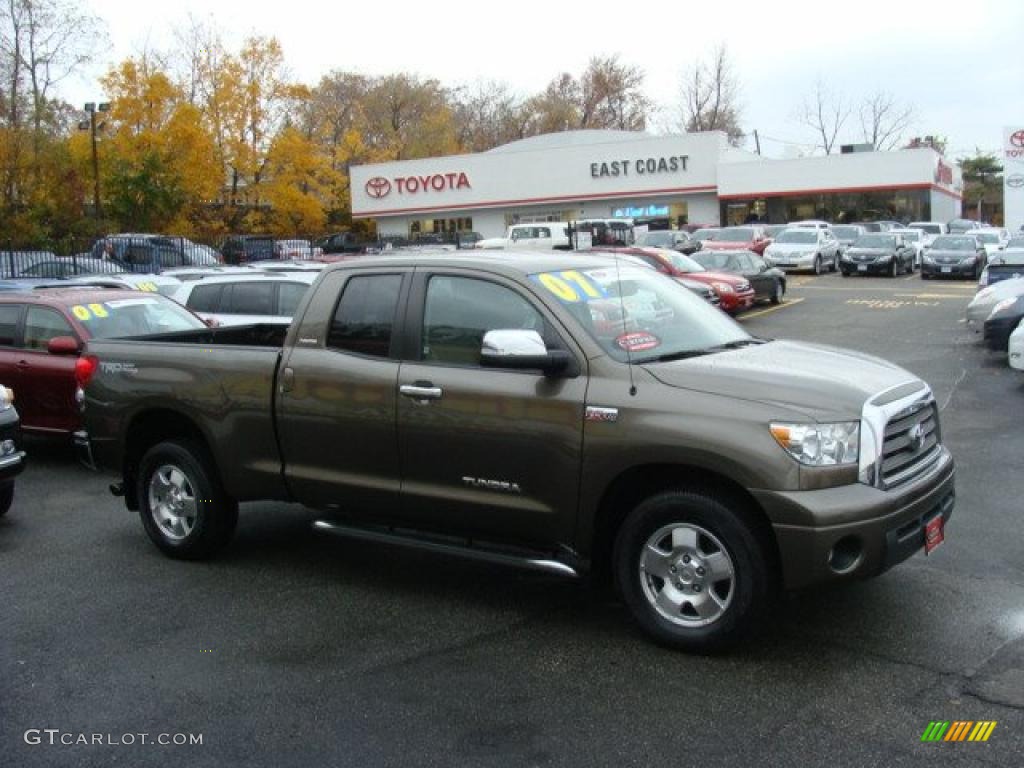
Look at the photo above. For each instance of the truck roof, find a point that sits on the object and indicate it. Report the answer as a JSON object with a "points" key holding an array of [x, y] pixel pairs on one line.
{"points": [[507, 261]]}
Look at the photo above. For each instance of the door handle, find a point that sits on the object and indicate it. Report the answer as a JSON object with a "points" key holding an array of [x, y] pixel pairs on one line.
{"points": [[287, 380], [24, 363], [420, 392]]}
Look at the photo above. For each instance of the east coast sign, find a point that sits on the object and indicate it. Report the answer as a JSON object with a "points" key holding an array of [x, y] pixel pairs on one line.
{"points": [[641, 166]]}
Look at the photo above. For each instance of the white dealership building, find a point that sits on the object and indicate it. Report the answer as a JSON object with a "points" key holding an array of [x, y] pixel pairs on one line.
{"points": [[694, 178]]}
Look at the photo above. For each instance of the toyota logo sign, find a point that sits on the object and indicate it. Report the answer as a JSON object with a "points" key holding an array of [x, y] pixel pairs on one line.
{"points": [[1017, 139], [378, 187], [1015, 181]]}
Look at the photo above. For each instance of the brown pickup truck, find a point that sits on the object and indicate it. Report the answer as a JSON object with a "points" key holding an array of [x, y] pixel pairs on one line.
{"points": [[572, 413]]}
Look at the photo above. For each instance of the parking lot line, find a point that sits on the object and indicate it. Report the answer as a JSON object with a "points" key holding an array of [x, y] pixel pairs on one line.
{"points": [[783, 305]]}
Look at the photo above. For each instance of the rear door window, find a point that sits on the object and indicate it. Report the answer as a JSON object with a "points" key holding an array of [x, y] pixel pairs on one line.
{"points": [[205, 298], [9, 316], [288, 298], [365, 317], [248, 299]]}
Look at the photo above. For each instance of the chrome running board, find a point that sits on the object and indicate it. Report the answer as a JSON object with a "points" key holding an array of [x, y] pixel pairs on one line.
{"points": [[447, 546]]}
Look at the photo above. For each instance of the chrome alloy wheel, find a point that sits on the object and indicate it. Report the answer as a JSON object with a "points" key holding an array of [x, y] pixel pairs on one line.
{"points": [[172, 502], [687, 575]]}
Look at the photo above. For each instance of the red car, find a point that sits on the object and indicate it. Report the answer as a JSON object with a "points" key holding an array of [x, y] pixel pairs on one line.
{"points": [[734, 292], [43, 331], [746, 238]]}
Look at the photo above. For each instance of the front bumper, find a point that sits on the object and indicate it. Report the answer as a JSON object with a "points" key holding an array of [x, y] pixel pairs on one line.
{"points": [[11, 466], [795, 261], [997, 332], [855, 531], [736, 302], [949, 270], [865, 267], [12, 458]]}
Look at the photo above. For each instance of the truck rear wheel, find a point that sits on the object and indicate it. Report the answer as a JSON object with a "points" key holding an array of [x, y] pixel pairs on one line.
{"points": [[6, 497], [182, 505], [694, 573]]}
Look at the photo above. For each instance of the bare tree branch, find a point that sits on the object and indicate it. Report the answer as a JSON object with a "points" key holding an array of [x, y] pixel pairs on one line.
{"points": [[825, 113]]}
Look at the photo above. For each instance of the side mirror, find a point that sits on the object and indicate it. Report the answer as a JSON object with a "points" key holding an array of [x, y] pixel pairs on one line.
{"points": [[521, 349], [63, 345], [211, 322]]}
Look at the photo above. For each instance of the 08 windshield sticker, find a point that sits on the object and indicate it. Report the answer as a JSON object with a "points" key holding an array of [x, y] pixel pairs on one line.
{"points": [[571, 286], [88, 312], [147, 287]]}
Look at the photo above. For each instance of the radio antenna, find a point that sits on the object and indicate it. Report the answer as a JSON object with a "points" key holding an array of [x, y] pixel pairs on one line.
{"points": [[622, 310]]}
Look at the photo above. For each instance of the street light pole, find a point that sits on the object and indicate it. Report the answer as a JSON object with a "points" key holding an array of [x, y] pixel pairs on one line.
{"points": [[92, 108]]}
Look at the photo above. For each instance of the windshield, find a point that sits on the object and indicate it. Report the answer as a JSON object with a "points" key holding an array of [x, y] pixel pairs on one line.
{"points": [[705, 234], [138, 316], [638, 314], [846, 233], [1012, 258], [1016, 242], [931, 229], [874, 241], [797, 236], [987, 237], [913, 235], [735, 235], [660, 239], [947, 243], [682, 262], [712, 259]]}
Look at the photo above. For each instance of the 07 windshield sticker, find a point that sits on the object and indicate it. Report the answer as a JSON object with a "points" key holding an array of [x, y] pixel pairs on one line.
{"points": [[571, 286], [637, 342], [88, 312]]}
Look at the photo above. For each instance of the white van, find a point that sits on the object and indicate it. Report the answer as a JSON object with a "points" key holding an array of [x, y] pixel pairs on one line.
{"points": [[539, 235]]}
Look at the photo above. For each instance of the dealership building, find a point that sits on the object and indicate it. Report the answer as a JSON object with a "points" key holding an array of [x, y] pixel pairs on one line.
{"points": [[666, 181]]}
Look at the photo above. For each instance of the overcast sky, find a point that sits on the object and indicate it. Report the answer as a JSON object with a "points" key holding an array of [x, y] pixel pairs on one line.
{"points": [[961, 66]]}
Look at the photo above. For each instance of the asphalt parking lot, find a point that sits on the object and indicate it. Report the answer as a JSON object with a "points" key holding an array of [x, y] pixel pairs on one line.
{"points": [[295, 649]]}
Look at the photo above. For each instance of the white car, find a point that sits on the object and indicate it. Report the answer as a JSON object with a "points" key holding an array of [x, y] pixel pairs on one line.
{"points": [[915, 238], [984, 300], [539, 236], [804, 248], [811, 224], [931, 229], [238, 299], [993, 238], [1016, 348]]}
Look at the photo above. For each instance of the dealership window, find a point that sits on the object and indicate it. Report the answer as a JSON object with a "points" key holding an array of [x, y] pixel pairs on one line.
{"points": [[440, 226], [899, 205]]}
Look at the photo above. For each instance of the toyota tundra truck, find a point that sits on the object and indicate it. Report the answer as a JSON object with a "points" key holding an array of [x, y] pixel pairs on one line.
{"points": [[571, 413]]}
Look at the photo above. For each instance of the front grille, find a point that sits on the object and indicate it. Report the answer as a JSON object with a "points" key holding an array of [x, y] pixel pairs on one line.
{"points": [[742, 287], [911, 445]]}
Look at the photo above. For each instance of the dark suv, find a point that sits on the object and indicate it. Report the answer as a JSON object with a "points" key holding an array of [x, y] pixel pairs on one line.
{"points": [[241, 249]]}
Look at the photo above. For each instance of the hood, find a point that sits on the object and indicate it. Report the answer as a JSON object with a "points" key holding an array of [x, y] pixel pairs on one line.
{"points": [[727, 245], [820, 381], [869, 251], [939, 253], [792, 247]]}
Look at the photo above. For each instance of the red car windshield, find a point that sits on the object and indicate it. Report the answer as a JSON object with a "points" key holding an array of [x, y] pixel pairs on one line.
{"points": [[134, 316]]}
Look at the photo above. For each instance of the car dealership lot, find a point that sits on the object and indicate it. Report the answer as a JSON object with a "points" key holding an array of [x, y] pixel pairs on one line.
{"points": [[294, 649]]}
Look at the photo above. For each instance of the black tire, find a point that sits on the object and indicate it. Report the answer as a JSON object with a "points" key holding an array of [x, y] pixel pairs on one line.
{"points": [[893, 268], [778, 291], [844, 273], [6, 498], [925, 276], [835, 264], [752, 583], [216, 514], [817, 264]]}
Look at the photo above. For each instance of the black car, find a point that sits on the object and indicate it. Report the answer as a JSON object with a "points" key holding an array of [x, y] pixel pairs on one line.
{"points": [[1005, 265], [953, 256], [878, 253], [241, 249], [676, 239], [769, 283], [1005, 317], [12, 459]]}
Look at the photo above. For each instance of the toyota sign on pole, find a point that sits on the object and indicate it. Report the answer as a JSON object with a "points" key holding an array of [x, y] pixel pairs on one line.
{"points": [[1013, 177]]}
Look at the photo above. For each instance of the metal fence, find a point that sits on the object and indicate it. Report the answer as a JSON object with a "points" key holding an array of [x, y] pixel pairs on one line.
{"points": [[154, 254]]}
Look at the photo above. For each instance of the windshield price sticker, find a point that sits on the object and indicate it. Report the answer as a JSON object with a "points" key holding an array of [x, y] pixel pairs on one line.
{"points": [[85, 314], [571, 286], [148, 287], [637, 342]]}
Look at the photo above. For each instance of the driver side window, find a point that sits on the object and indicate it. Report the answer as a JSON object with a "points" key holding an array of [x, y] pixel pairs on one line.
{"points": [[458, 312]]}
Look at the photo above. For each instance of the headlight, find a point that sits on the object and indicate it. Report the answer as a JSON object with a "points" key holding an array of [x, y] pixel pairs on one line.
{"points": [[723, 287], [968, 259], [885, 257], [820, 445], [1004, 304], [927, 259], [6, 398]]}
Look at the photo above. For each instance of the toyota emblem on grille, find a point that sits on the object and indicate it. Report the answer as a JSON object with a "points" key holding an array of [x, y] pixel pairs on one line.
{"points": [[378, 187], [916, 437]]}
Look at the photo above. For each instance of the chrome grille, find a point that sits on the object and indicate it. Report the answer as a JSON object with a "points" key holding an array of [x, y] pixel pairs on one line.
{"points": [[911, 445], [742, 287]]}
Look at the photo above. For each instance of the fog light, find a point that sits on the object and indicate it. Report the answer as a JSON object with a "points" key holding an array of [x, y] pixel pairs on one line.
{"points": [[846, 554], [7, 447]]}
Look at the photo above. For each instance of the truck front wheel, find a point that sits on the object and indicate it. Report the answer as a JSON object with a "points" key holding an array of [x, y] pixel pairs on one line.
{"points": [[182, 505], [694, 572]]}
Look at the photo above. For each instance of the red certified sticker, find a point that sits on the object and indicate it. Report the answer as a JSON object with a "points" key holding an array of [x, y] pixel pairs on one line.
{"points": [[934, 533], [638, 342]]}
